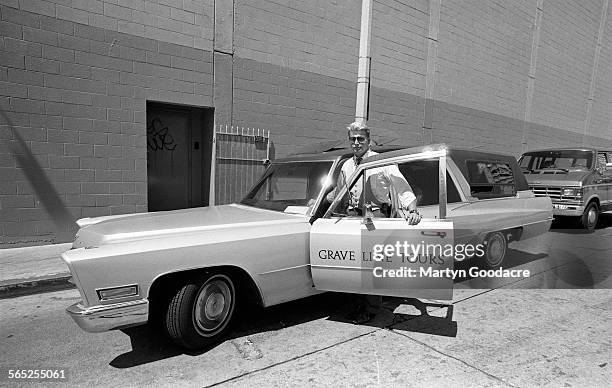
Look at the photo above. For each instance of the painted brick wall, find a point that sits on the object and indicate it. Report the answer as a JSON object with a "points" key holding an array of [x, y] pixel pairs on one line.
{"points": [[186, 22], [76, 97], [483, 55], [601, 119], [483, 62], [75, 77], [481, 76], [565, 63], [318, 37], [396, 115], [399, 47], [298, 107], [296, 76]]}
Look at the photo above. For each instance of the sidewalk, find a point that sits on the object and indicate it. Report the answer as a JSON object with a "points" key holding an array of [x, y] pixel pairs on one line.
{"points": [[30, 270]]}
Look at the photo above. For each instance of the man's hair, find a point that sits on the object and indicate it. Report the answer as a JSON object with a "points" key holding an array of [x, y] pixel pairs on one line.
{"points": [[357, 126]]}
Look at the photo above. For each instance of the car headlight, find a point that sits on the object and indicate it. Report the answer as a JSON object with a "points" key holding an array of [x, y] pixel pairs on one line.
{"points": [[571, 192]]}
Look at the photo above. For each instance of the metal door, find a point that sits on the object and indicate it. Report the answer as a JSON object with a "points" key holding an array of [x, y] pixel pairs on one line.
{"points": [[178, 156]]}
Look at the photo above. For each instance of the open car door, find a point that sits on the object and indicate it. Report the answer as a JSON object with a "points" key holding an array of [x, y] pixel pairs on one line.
{"points": [[359, 252]]}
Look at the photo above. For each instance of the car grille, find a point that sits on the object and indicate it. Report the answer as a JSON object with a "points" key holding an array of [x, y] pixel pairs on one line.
{"points": [[552, 192], [543, 191]]}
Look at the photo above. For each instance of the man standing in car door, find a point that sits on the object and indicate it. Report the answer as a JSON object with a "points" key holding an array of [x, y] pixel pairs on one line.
{"points": [[387, 193], [386, 188]]}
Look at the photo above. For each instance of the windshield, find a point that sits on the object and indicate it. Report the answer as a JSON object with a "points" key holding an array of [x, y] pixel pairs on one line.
{"points": [[289, 184], [557, 160]]}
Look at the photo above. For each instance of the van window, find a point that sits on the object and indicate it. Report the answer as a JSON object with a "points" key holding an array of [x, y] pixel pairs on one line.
{"points": [[555, 159], [490, 179]]}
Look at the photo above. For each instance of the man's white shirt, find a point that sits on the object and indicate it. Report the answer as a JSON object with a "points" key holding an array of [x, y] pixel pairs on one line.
{"points": [[380, 179]]}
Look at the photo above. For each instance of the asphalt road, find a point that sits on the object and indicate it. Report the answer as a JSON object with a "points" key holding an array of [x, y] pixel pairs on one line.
{"points": [[518, 333]]}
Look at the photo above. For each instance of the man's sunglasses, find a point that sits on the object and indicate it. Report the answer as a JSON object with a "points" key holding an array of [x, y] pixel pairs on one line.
{"points": [[360, 139]]}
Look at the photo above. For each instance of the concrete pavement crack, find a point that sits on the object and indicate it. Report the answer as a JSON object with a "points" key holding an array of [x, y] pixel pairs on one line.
{"points": [[316, 351], [455, 358], [473, 296], [388, 328], [289, 360]]}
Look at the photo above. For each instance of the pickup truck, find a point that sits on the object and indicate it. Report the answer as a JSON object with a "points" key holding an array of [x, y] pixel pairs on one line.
{"points": [[191, 269], [578, 180]]}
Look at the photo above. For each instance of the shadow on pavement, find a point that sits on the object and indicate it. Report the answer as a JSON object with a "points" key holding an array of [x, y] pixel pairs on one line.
{"points": [[570, 225], [514, 258], [150, 343], [409, 314], [590, 271], [147, 346]]}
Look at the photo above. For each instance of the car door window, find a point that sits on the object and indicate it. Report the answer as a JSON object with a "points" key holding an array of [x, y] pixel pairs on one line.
{"points": [[381, 182], [422, 177]]}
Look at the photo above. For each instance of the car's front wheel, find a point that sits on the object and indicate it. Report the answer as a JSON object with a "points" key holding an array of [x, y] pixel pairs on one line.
{"points": [[590, 217], [200, 312]]}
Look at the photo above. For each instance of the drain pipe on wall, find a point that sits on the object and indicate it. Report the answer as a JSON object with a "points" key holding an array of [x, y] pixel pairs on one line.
{"points": [[363, 72]]}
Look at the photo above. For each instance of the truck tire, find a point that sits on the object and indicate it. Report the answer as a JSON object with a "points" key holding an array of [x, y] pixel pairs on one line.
{"points": [[590, 217], [200, 312]]}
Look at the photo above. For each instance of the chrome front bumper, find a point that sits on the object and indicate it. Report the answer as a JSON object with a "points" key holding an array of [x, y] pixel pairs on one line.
{"points": [[565, 209], [101, 318]]}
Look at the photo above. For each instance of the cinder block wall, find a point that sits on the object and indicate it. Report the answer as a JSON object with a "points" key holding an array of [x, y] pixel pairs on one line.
{"points": [[74, 81], [295, 69], [472, 59], [75, 78]]}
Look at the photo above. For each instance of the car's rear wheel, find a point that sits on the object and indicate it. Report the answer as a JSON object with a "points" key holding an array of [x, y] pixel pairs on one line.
{"points": [[200, 312], [590, 217], [496, 246]]}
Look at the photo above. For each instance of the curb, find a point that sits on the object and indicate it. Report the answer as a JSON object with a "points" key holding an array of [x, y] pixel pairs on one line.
{"points": [[23, 287]]}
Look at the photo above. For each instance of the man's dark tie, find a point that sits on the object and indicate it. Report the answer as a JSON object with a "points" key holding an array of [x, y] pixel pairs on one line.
{"points": [[358, 161]]}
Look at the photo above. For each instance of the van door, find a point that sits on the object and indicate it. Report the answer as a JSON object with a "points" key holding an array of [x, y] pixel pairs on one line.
{"points": [[365, 250]]}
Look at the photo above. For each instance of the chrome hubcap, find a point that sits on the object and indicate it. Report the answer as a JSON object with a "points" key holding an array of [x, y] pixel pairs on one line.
{"points": [[214, 304], [496, 250], [592, 216]]}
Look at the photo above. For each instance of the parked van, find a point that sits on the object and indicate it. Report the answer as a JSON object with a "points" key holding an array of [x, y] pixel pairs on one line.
{"points": [[578, 181]]}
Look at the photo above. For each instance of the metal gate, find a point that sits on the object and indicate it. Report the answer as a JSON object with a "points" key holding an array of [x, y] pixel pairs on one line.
{"points": [[240, 156]]}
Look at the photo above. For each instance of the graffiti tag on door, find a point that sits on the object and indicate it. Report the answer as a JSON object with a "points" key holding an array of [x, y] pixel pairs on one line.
{"points": [[158, 138]]}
